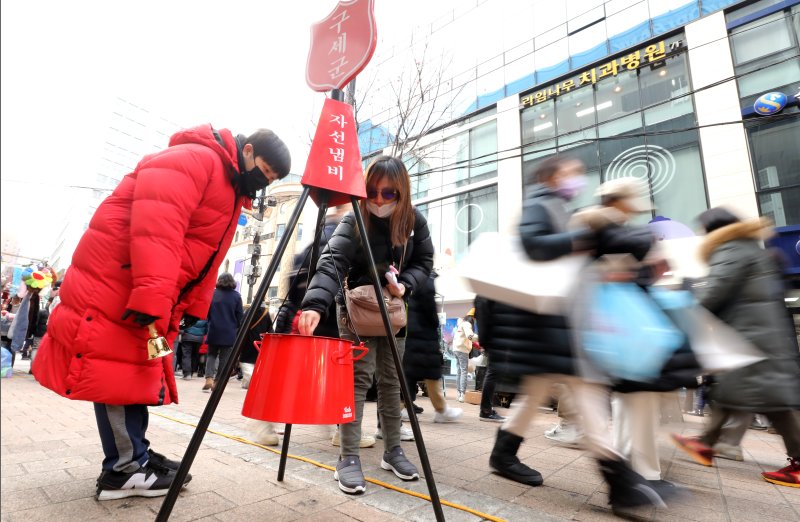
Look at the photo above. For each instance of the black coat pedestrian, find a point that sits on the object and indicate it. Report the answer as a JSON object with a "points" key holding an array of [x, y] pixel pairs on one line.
{"points": [[298, 281], [423, 355], [224, 317], [263, 325], [744, 290], [522, 342]]}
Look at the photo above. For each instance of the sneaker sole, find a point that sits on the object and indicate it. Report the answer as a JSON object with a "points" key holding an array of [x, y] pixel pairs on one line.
{"points": [[116, 494], [388, 467], [520, 479], [781, 483], [484, 419], [352, 491], [573, 444]]}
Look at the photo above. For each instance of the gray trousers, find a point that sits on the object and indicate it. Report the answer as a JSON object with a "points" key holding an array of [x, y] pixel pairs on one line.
{"points": [[215, 352], [462, 360], [786, 424], [380, 363]]}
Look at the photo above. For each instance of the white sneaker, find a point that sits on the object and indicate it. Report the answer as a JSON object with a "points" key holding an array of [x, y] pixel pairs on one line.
{"points": [[448, 415], [404, 414], [265, 434], [365, 442], [460, 397], [565, 433], [405, 434]]}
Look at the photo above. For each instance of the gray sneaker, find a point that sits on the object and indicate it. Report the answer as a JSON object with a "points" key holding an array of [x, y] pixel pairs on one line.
{"points": [[396, 461], [348, 473]]}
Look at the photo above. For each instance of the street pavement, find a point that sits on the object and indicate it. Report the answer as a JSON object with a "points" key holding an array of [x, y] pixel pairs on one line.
{"points": [[51, 457]]}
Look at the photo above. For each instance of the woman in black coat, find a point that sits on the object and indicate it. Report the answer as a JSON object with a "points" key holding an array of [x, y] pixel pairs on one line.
{"points": [[398, 236], [423, 357]]}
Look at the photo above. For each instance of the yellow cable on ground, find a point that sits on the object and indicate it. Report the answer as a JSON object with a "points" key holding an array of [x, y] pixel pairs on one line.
{"points": [[331, 468]]}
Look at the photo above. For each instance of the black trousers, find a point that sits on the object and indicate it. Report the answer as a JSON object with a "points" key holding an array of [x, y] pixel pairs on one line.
{"points": [[489, 384]]}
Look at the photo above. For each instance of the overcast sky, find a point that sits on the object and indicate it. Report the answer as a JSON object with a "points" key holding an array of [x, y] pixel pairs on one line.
{"points": [[236, 64]]}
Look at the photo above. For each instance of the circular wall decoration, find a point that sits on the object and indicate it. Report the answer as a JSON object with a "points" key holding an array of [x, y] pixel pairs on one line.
{"points": [[478, 222], [639, 161]]}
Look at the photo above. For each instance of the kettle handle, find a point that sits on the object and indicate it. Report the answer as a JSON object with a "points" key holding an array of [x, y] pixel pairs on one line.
{"points": [[364, 351]]}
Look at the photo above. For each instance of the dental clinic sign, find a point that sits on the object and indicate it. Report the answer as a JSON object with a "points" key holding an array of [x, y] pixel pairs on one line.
{"points": [[652, 55]]}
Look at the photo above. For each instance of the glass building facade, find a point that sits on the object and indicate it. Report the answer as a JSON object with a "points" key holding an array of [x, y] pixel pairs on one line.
{"points": [[653, 89]]}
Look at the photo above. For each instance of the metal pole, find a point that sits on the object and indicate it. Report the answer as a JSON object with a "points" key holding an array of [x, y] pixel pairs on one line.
{"points": [[219, 388], [323, 206], [398, 364], [254, 260]]}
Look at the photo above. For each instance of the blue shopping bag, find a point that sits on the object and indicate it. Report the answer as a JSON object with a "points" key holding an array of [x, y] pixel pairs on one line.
{"points": [[5, 363], [626, 334]]}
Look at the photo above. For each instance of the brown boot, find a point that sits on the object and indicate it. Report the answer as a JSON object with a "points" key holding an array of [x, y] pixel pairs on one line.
{"points": [[209, 385]]}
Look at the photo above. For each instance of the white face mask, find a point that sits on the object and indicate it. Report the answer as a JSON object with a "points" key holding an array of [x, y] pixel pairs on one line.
{"points": [[382, 211]]}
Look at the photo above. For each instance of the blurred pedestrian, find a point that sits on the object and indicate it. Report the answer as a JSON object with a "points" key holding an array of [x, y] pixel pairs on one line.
{"points": [[636, 406], [538, 347], [192, 336], [149, 257], [26, 321], [399, 237], [463, 337], [224, 319], [744, 289]]}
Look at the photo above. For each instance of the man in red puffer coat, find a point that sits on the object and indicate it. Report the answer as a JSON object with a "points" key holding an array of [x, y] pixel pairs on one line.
{"points": [[150, 255]]}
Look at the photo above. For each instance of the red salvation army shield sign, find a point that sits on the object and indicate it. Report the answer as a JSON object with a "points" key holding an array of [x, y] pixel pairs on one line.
{"points": [[341, 45], [334, 162]]}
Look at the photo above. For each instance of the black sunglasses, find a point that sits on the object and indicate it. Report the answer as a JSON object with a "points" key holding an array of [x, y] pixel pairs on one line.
{"points": [[387, 194]]}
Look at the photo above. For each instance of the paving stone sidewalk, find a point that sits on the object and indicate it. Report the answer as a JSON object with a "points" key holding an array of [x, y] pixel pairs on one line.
{"points": [[50, 458]]}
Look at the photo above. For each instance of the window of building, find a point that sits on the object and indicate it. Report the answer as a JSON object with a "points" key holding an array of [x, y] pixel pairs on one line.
{"points": [[617, 98], [456, 221], [765, 60], [539, 122], [776, 163], [762, 37], [575, 110], [279, 231], [631, 124]]}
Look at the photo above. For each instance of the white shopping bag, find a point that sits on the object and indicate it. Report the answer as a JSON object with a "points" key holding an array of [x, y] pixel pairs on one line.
{"points": [[498, 268], [718, 347]]}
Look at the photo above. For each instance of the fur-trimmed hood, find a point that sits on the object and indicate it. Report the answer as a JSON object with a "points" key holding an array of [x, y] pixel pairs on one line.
{"points": [[757, 229]]}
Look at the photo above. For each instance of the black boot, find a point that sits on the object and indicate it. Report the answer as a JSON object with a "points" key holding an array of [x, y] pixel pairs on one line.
{"points": [[628, 489], [505, 462]]}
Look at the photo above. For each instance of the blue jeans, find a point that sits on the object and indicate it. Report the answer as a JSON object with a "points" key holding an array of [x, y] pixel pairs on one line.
{"points": [[462, 359]]}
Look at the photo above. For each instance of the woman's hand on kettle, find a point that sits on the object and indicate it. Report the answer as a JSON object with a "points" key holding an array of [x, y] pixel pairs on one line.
{"points": [[308, 322]]}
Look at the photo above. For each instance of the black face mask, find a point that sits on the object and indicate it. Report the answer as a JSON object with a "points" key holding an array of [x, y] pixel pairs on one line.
{"points": [[251, 181]]}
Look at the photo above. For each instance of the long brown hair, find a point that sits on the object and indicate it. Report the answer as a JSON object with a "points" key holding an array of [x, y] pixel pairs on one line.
{"points": [[401, 222]]}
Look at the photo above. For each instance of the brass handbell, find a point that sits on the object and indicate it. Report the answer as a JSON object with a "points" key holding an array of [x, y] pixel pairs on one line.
{"points": [[157, 346]]}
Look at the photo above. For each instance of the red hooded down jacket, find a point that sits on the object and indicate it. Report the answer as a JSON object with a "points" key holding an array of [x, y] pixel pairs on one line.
{"points": [[146, 243]]}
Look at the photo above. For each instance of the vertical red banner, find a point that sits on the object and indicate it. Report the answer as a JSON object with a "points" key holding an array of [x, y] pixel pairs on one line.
{"points": [[334, 163]]}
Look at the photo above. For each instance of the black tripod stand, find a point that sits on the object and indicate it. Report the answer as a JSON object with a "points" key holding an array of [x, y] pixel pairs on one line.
{"points": [[322, 197]]}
